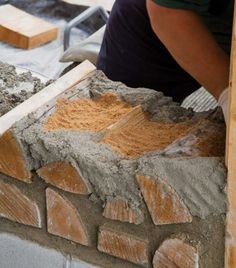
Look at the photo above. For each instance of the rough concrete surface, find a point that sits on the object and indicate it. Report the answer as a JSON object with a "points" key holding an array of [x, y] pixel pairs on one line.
{"points": [[14, 88], [200, 182]]}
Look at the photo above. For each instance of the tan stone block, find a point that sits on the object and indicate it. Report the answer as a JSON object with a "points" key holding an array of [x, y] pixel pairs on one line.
{"points": [[15, 206], [63, 219], [12, 162], [123, 245], [163, 202], [119, 209], [175, 253], [64, 176]]}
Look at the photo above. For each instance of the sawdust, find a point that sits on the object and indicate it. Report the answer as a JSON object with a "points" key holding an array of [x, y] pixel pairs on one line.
{"points": [[136, 140], [86, 114]]}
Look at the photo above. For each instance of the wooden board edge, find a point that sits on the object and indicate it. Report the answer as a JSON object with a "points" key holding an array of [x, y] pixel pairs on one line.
{"points": [[42, 39], [230, 237], [13, 38], [50, 92]]}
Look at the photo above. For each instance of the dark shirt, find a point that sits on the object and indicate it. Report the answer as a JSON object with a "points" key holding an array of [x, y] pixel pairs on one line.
{"points": [[133, 54]]}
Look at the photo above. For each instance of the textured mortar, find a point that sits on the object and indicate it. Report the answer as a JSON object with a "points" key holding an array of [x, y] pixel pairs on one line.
{"points": [[14, 88], [111, 175], [200, 182]]}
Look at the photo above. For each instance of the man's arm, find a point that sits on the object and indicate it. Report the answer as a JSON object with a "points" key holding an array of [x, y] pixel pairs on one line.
{"points": [[192, 46]]}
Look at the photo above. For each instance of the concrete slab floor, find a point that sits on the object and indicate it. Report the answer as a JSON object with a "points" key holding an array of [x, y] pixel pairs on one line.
{"points": [[18, 253]]}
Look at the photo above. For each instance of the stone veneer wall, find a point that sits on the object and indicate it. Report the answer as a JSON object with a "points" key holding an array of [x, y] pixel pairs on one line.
{"points": [[67, 190]]}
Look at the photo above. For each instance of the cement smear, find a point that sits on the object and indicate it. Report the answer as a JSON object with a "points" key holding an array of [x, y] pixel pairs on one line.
{"points": [[200, 182], [108, 174], [14, 88]]}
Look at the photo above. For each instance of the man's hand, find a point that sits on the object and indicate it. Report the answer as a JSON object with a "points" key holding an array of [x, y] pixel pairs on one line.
{"points": [[192, 45], [223, 103]]}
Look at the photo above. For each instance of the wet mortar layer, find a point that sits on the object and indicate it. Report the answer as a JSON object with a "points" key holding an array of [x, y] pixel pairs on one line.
{"points": [[199, 181], [16, 88]]}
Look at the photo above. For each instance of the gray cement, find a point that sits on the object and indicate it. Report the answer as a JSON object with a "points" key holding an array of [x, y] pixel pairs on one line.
{"points": [[160, 107], [200, 182], [105, 171], [111, 175], [16, 88]]}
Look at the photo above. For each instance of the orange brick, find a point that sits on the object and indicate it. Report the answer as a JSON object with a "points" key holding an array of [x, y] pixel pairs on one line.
{"points": [[175, 253], [64, 176], [123, 245], [15, 206], [63, 219], [162, 201], [119, 209], [12, 162]]}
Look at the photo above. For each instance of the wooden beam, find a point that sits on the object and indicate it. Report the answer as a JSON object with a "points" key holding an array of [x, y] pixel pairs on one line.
{"points": [[230, 241], [23, 30], [107, 4]]}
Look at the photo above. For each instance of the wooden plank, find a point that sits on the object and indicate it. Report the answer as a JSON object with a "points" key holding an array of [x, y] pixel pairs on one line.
{"points": [[107, 4], [230, 242], [46, 95], [23, 30]]}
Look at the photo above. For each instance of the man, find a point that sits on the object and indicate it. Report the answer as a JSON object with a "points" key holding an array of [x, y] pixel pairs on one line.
{"points": [[170, 45]]}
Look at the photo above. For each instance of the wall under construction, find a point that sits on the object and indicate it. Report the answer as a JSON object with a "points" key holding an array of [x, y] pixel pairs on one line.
{"points": [[104, 168]]}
